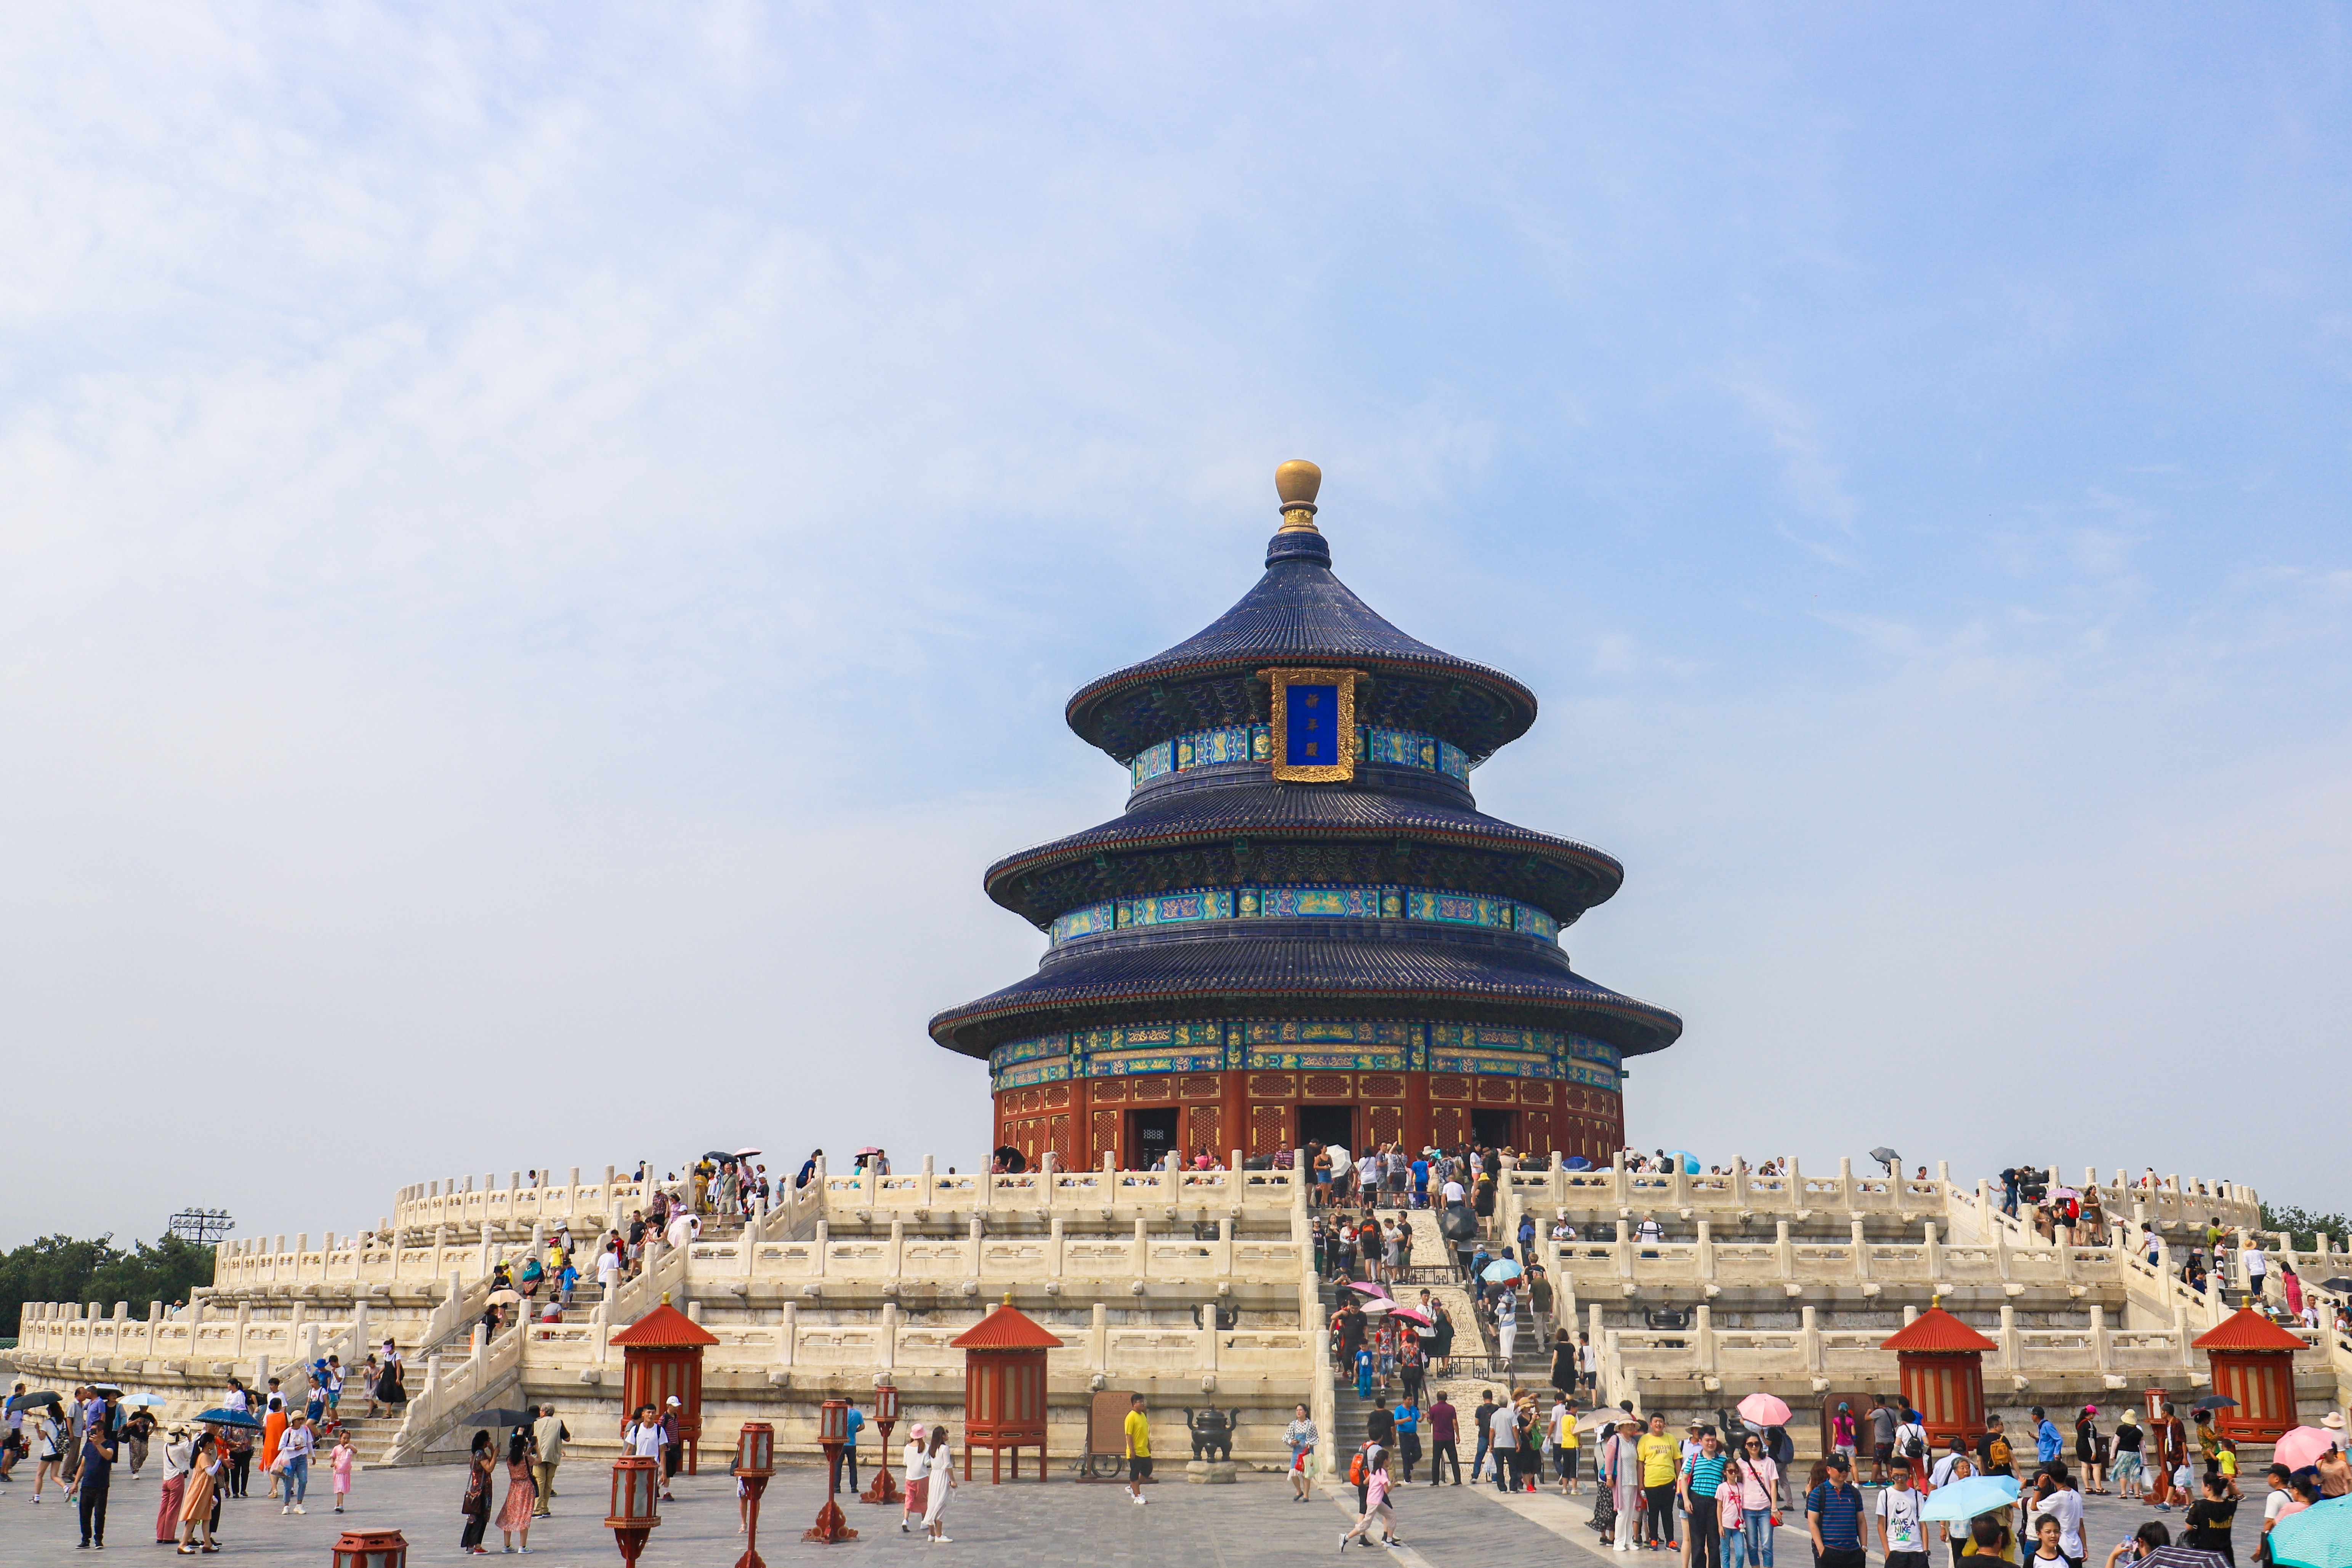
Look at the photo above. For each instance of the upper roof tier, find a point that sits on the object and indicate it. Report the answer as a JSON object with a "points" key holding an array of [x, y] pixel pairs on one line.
{"points": [[1299, 614]]}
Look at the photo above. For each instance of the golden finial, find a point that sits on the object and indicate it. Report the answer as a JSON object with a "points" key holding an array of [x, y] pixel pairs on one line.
{"points": [[1297, 482], [1008, 1298]]}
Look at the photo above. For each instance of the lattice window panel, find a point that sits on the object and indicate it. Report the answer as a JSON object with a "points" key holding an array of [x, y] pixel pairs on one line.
{"points": [[1387, 1122], [1382, 1086], [1447, 1127], [1109, 1091], [1203, 1122], [1269, 1129], [1200, 1086], [1535, 1091], [1058, 1095], [1105, 1135], [1273, 1085], [1535, 1134], [1151, 1089], [1330, 1086], [1449, 1086], [1031, 1100], [1062, 1139], [1499, 1090]]}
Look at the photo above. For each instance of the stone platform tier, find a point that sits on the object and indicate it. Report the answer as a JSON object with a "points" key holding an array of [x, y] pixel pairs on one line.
{"points": [[1187, 1286]]}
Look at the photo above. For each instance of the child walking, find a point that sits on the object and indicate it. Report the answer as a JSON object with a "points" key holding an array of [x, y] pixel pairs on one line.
{"points": [[342, 1456]]}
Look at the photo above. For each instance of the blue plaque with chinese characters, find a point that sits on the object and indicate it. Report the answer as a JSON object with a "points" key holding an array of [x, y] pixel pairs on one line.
{"points": [[1313, 737]]}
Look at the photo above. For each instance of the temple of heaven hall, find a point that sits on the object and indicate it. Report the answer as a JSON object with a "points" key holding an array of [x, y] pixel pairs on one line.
{"points": [[1302, 927]]}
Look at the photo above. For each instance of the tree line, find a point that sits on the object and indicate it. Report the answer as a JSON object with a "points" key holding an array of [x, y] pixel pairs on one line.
{"points": [[62, 1268]]}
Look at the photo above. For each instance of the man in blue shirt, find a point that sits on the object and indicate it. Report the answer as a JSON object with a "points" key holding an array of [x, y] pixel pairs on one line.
{"points": [[1421, 1180], [849, 1448], [1833, 1518], [2045, 1436]]}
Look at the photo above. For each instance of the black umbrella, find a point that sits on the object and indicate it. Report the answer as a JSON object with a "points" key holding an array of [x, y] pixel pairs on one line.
{"points": [[1014, 1160], [497, 1415], [29, 1401], [1886, 1157], [2338, 1283], [224, 1417], [717, 1155], [2182, 1557], [2215, 1402]]}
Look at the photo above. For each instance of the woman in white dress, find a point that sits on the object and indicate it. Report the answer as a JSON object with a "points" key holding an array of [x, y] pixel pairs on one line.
{"points": [[939, 1481], [917, 1465]]}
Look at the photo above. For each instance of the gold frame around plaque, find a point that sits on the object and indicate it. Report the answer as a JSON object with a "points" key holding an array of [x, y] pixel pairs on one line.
{"points": [[1282, 680]]}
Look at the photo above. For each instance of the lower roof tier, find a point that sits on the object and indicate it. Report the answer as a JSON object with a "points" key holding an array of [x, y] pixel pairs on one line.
{"points": [[1303, 976]]}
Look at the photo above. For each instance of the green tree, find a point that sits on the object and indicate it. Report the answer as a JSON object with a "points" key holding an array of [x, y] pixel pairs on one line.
{"points": [[62, 1268], [2305, 1227]]}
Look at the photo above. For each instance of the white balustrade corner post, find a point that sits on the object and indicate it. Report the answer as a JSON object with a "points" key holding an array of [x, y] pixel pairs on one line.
{"points": [[889, 1336], [1739, 1181], [1935, 1253], [2001, 1249], [1705, 1336], [1846, 1194], [898, 1244], [2011, 1357], [1054, 1247], [1784, 1254], [1809, 1331], [1617, 1188], [2100, 1346], [820, 1249], [1142, 1249], [788, 1328], [930, 1181], [1099, 1339], [1861, 1244], [1678, 1185], [1704, 1253], [1797, 1186]]}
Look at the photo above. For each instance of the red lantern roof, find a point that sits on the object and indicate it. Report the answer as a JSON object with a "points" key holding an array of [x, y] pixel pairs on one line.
{"points": [[664, 1328], [1936, 1329], [1006, 1328], [2246, 1330]]}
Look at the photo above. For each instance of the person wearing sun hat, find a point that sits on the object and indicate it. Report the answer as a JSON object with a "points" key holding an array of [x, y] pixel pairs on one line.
{"points": [[2125, 1471]]}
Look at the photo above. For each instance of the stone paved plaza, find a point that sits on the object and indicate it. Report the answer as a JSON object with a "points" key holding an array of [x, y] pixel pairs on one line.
{"points": [[1060, 1523]]}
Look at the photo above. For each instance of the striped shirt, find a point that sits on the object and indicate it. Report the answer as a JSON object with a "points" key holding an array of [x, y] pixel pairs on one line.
{"points": [[1706, 1475], [1841, 1516]]}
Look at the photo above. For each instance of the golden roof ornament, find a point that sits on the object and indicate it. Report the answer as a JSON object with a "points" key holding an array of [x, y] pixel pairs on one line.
{"points": [[1297, 482]]}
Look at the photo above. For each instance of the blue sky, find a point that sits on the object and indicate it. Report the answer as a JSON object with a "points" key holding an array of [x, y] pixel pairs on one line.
{"points": [[541, 548]]}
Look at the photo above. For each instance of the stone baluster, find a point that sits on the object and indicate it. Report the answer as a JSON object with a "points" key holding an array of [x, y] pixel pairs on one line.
{"points": [[1784, 1252], [898, 1246], [2000, 1249], [931, 1183], [1797, 1188], [1678, 1186], [1847, 1196], [1935, 1253], [1142, 1250], [788, 1328], [1053, 1249], [1702, 1339], [2102, 1357], [1809, 1334], [1098, 1340], [1739, 1181], [820, 1249], [1620, 1189], [889, 1348], [1860, 1245], [2009, 1359]]}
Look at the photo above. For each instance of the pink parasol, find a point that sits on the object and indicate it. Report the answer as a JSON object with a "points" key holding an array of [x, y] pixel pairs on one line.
{"points": [[1760, 1409], [1369, 1288], [2302, 1447], [1411, 1314]]}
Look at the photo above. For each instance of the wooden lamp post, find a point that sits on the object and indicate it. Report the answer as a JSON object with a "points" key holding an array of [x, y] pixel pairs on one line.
{"points": [[886, 1415], [636, 1484], [1941, 1363], [831, 1430], [755, 1461], [371, 1548]]}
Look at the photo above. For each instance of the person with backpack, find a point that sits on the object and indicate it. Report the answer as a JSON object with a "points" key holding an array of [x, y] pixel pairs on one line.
{"points": [[1911, 1442], [1367, 1471]]}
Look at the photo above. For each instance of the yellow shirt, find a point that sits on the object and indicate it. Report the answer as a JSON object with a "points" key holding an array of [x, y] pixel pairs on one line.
{"points": [[1139, 1436], [1661, 1458], [2229, 1463]]}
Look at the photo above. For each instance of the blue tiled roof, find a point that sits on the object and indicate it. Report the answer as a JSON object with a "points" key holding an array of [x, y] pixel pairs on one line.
{"points": [[1566, 878], [1299, 614], [1260, 976]]}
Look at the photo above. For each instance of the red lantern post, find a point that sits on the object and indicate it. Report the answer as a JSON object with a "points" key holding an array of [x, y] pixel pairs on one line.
{"points": [[371, 1548], [833, 1430], [755, 1461], [886, 1415], [636, 1484]]}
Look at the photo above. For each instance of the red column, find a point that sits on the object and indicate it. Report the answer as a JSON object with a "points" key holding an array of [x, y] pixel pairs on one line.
{"points": [[1416, 1111]]}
